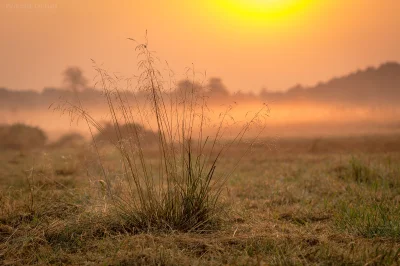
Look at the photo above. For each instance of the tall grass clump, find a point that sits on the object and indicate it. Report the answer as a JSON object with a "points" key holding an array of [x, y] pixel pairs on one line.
{"points": [[180, 188]]}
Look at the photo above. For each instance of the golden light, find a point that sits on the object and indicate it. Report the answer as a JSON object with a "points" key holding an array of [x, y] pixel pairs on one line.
{"points": [[261, 10]]}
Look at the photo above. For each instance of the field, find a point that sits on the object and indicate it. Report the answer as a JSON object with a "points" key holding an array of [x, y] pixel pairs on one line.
{"points": [[325, 201]]}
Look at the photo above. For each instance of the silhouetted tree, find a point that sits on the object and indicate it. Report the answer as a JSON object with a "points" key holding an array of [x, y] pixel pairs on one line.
{"points": [[187, 86], [73, 77], [217, 87]]}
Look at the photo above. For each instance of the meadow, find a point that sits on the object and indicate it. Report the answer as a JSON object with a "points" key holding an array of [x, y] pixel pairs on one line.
{"points": [[244, 133], [170, 181], [325, 201]]}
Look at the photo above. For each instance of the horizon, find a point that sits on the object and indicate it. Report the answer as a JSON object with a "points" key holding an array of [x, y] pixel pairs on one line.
{"points": [[304, 86]]}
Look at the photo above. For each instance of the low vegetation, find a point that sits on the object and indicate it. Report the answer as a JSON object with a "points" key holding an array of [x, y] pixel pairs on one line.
{"points": [[70, 140], [169, 191], [21, 137], [292, 209]]}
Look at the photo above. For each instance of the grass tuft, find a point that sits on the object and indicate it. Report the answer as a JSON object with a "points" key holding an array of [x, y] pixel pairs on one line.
{"points": [[181, 189], [371, 219], [375, 175]]}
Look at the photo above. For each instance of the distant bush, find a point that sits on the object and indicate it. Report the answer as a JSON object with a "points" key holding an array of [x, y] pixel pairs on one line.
{"points": [[71, 140], [109, 133], [20, 136]]}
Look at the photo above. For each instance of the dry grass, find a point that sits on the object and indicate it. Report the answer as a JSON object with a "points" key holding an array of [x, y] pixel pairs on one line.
{"points": [[291, 209]]}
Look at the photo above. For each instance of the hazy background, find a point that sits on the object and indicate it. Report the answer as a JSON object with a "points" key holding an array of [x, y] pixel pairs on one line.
{"points": [[325, 67], [314, 42]]}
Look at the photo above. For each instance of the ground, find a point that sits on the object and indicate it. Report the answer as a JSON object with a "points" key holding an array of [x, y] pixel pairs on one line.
{"points": [[298, 202]]}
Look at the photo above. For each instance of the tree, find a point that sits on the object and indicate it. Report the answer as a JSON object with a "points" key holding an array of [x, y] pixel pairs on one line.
{"points": [[73, 77], [217, 87], [188, 87]]}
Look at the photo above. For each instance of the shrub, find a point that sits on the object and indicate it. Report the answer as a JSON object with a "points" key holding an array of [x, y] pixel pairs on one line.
{"points": [[108, 133], [20, 136], [179, 189], [71, 140]]}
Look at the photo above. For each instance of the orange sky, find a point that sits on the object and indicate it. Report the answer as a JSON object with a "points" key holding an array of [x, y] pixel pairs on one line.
{"points": [[249, 44]]}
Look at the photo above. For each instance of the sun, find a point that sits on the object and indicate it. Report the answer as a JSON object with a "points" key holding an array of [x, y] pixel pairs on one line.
{"points": [[261, 10]]}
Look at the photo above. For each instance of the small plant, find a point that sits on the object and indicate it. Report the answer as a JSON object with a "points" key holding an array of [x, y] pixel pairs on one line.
{"points": [[181, 190]]}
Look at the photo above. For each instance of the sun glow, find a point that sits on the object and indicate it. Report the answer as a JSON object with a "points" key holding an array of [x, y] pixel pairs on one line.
{"points": [[262, 10]]}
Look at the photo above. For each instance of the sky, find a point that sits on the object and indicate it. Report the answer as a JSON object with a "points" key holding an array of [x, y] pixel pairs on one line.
{"points": [[250, 44]]}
